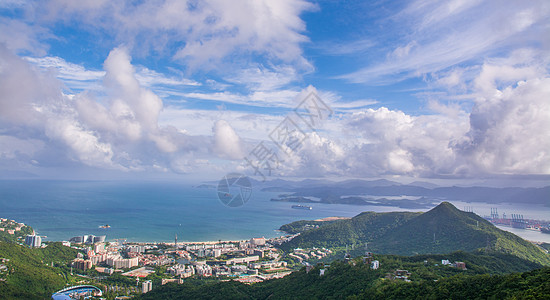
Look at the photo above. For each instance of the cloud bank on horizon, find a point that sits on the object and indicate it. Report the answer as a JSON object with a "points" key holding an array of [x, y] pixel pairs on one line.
{"points": [[429, 89]]}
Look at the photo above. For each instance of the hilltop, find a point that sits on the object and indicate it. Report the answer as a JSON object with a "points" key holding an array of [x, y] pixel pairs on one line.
{"points": [[443, 229]]}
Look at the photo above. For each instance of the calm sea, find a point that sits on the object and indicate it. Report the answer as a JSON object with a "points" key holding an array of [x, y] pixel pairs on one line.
{"points": [[157, 211]]}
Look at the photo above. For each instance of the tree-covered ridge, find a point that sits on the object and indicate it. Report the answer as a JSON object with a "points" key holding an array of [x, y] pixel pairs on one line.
{"points": [[529, 285], [356, 280], [303, 225], [445, 228], [29, 271], [441, 230], [364, 227]]}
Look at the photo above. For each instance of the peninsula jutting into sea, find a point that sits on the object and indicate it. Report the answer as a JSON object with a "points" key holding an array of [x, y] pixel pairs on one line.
{"points": [[274, 149], [155, 211], [97, 267]]}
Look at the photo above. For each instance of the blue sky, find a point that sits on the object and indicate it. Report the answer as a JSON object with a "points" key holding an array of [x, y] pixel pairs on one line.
{"points": [[419, 89]]}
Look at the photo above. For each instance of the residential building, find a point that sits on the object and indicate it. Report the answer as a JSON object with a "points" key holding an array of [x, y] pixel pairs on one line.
{"points": [[136, 248], [146, 286], [461, 265], [99, 248], [238, 269], [82, 264], [216, 252], [181, 270], [88, 239], [33, 240], [401, 275], [257, 241], [203, 270], [122, 263], [98, 258], [242, 260]]}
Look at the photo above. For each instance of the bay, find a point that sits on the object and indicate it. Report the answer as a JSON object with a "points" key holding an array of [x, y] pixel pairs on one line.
{"points": [[156, 211], [148, 211]]}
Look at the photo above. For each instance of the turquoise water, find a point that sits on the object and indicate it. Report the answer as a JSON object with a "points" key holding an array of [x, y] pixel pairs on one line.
{"points": [[148, 211], [156, 211]]}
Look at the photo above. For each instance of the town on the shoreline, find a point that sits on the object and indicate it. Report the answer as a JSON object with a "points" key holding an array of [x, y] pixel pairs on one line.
{"points": [[251, 260], [91, 265], [248, 261]]}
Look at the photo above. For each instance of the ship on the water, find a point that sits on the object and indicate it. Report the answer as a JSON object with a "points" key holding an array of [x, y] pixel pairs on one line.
{"points": [[302, 207], [545, 230]]}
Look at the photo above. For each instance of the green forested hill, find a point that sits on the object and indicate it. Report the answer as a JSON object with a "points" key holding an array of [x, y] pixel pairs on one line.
{"points": [[441, 230], [528, 285], [454, 230], [301, 226], [357, 281], [364, 227], [29, 273]]}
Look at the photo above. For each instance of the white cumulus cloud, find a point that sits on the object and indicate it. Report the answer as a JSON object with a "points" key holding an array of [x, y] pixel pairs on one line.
{"points": [[227, 143]]}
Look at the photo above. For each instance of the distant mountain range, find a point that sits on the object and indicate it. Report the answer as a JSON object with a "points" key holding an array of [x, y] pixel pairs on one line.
{"points": [[441, 230], [390, 193]]}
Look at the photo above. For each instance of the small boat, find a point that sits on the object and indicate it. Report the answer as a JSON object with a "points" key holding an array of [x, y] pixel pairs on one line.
{"points": [[545, 230], [302, 207], [105, 226]]}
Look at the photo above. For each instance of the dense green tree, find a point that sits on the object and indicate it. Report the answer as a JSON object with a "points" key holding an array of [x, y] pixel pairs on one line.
{"points": [[441, 230], [30, 274]]}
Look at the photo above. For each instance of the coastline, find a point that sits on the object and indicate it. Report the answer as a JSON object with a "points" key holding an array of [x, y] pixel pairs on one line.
{"points": [[328, 219], [157, 211]]}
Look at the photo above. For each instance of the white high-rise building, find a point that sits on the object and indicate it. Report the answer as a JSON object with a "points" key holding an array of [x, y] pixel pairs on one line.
{"points": [[33, 241], [99, 248], [146, 286], [88, 239]]}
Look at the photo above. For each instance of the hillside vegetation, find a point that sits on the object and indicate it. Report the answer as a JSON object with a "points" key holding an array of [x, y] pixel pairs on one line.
{"points": [[441, 230], [356, 280], [29, 272], [364, 227]]}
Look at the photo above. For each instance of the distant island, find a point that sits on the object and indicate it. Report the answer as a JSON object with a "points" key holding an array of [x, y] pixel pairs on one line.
{"points": [[369, 254], [326, 249], [390, 193]]}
